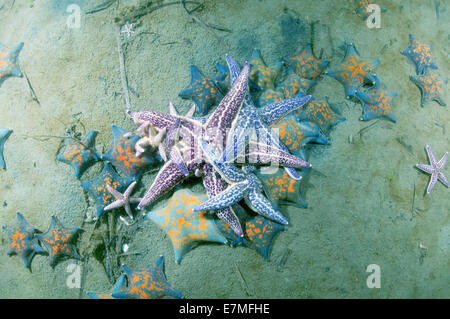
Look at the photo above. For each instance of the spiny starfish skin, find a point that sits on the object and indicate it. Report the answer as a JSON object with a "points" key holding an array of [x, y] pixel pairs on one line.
{"points": [[23, 241], [9, 64], [353, 72], [420, 54], [435, 169], [147, 284], [57, 240], [4, 135], [430, 87]]}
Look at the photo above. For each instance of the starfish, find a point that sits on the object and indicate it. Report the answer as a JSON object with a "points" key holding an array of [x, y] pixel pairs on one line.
{"points": [[259, 232], [319, 112], [353, 72], [295, 85], [362, 6], [270, 96], [123, 156], [185, 226], [123, 200], [214, 130], [118, 287], [306, 65], [296, 134], [420, 54], [128, 29], [261, 75], [283, 190], [79, 154], [98, 187], [203, 91], [431, 88], [4, 134], [377, 102], [151, 284], [23, 241], [254, 120], [147, 137], [223, 79], [435, 169], [57, 240], [243, 184], [9, 64]]}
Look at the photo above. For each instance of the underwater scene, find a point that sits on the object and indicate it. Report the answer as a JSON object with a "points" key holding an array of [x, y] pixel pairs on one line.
{"points": [[225, 149]]}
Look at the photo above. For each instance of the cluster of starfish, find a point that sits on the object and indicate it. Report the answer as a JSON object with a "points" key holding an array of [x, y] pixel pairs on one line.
{"points": [[430, 86]]}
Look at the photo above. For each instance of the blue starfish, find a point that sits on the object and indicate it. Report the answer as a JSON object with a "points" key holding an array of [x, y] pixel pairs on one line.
{"points": [[353, 72], [259, 232], [122, 154], [420, 55], [295, 85], [243, 184], [79, 154], [9, 64], [306, 65], [58, 241], [151, 284], [23, 241], [430, 87], [98, 189], [377, 102], [118, 287], [254, 120], [4, 134], [262, 76], [223, 79], [203, 91]]}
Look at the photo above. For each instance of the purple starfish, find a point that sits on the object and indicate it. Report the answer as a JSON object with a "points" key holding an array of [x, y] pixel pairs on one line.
{"points": [[435, 169]]}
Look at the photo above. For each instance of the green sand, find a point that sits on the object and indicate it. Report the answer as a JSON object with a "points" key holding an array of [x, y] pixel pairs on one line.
{"points": [[360, 194]]}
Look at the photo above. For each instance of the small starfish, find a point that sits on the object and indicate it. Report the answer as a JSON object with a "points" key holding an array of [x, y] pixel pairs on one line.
{"points": [[9, 62], [151, 284], [430, 87], [128, 29], [185, 226], [259, 232], [23, 241], [223, 79], [377, 102], [123, 200], [270, 96], [362, 6], [435, 169], [243, 184], [295, 85], [420, 55], [147, 135], [79, 154], [306, 65], [98, 187], [319, 112], [4, 134], [118, 287], [353, 72], [123, 156], [57, 240], [203, 91], [261, 75]]}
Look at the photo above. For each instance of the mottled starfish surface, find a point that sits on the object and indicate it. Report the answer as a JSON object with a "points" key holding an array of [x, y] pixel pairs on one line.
{"points": [[430, 87], [98, 187], [353, 72], [58, 241], [9, 62], [261, 75], [79, 154], [420, 54], [320, 112], [123, 200], [306, 65], [147, 284], [118, 287], [123, 156], [186, 227], [377, 102], [4, 134], [214, 130], [23, 241], [243, 185], [435, 169]]}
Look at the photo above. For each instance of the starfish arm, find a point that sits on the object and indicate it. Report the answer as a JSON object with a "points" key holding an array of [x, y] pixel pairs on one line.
{"points": [[114, 192], [233, 66], [135, 200], [167, 178], [262, 206], [191, 111], [443, 179], [176, 157], [129, 190], [128, 210], [426, 168], [230, 196], [273, 112], [442, 162], [113, 205], [433, 180], [431, 156], [157, 119]]}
